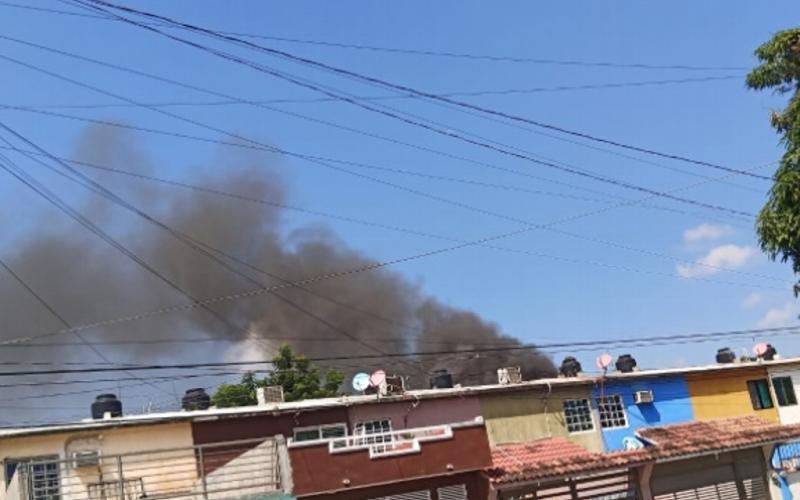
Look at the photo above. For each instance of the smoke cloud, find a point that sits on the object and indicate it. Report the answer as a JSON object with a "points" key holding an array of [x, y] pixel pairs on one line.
{"points": [[362, 314]]}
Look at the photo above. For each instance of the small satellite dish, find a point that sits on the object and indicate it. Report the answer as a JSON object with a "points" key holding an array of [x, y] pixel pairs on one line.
{"points": [[631, 443], [760, 349], [377, 378], [604, 361], [360, 381]]}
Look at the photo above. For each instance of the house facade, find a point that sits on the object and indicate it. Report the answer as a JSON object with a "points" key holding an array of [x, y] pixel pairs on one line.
{"points": [[553, 408], [629, 402]]}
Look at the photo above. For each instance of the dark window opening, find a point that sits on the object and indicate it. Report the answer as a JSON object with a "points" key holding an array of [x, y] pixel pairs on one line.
{"points": [[784, 391], [759, 394]]}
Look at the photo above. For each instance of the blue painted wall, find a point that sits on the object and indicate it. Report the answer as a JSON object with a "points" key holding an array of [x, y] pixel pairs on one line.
{"points": [[672, 404]]}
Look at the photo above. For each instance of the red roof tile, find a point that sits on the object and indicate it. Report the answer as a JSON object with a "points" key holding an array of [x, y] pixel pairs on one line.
{"points": [[551, 458], [558, 457], [707, 436]]}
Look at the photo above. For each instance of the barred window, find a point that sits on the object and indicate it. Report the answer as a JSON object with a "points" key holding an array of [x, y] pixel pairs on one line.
{"points": [[612, 411], [578, 415]]}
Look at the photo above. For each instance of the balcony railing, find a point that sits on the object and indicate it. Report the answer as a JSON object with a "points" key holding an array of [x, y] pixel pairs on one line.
{"points": [[234, 469], [386, 444]]}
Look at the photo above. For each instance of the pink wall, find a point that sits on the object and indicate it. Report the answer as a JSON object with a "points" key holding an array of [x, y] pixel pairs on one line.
{"points": [[425, 412]]}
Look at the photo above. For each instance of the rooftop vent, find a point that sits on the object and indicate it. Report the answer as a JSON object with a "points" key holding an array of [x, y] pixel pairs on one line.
{"points": [[106, 405], [625, 363], [441, 379], [196, 399], [570, 367], [269, 394], [509, 375], [725, 355]]}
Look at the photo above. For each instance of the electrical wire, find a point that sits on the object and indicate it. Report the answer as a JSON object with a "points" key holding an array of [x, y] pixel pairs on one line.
{"points": [[510, 348], [445, 54], [96, 5]]}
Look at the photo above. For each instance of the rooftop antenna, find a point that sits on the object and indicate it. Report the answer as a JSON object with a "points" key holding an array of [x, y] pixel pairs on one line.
{"points": [[604, 361]]}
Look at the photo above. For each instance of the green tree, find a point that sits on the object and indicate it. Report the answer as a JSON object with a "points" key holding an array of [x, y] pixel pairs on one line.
{"points": [[778, 224], [299, 378]]}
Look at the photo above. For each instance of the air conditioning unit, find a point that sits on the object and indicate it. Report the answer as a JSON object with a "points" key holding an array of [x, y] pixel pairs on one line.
{"points": [[269, 395], [84, 458], [509, 375], [643, 397]]}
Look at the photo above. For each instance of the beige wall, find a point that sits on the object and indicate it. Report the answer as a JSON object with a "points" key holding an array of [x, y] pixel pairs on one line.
{"points": [[173, 470], [529, 415]]}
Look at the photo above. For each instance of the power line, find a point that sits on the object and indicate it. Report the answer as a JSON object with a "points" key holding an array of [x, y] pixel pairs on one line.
{"points": [[262, 104], [549, 162], [94, 4], [205, 249], [431, 53], [183, 366], [313, 159], [59, 203], [260, 291], [316, 100]]}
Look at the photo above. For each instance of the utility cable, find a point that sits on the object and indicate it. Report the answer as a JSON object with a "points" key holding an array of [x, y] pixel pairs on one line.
{"points": [[95, 4]]}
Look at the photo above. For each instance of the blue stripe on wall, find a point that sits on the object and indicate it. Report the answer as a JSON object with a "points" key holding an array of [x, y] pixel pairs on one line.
{"points": [[672, 404]]}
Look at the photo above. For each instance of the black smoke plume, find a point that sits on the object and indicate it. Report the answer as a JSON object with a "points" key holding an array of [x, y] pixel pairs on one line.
{"points": [[86, 280]]}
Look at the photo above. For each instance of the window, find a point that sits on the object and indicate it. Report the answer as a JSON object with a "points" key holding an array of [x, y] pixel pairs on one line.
{"points": [[317, 432], [371, 427], [40, 473], [578, 415], [784, 391], [612, 412], [759, 394]]}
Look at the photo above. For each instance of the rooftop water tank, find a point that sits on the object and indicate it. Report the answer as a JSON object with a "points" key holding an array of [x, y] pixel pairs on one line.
{"points": [[106, 403]]}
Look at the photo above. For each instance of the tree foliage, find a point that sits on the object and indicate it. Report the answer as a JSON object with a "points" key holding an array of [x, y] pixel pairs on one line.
{"points": [[778, 224], [299, 378]]}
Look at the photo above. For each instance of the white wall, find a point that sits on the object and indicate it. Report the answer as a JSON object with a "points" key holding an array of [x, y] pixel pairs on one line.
{"points": [[788, 414]]}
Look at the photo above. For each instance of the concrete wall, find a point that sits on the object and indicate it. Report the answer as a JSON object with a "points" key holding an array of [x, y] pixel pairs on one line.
{"points": [[422, 413], [787, 414], [724, 394], [517, 416], [672, 404], [110, 442]]}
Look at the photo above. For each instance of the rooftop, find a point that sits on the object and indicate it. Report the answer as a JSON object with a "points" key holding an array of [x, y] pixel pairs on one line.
{"points": [[351, 400]]}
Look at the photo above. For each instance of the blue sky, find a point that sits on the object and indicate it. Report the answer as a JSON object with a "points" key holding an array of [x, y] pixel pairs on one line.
{"points": [[581, 290]]}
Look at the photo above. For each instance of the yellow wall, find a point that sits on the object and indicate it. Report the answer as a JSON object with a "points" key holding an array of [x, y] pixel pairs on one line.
{"points": [[724, 394], [517, 416], [174, 470]]}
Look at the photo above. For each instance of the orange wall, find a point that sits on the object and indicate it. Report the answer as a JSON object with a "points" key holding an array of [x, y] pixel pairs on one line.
{"points": [[724, 394]]}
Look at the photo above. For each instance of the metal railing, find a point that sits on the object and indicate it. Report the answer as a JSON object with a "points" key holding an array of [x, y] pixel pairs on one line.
{"points": [[232, 469]]}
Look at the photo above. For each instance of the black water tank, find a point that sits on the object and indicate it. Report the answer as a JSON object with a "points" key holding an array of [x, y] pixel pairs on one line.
{"points": [[570, 367], [106, 403], [770, 353], [196, 399], [725, 355], [441, 379], [625, 363]]}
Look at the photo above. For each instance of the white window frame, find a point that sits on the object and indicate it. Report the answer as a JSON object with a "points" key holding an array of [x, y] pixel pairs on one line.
{"points": [[303, 442], [363, 436], [32, 461], [591, 416], [621, 402]]}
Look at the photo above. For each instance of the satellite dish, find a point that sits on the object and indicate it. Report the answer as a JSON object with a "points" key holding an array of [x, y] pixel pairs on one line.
{"points": [[360, 382], [604, 361], [760, 348], [631, 443], [377, 378]]}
